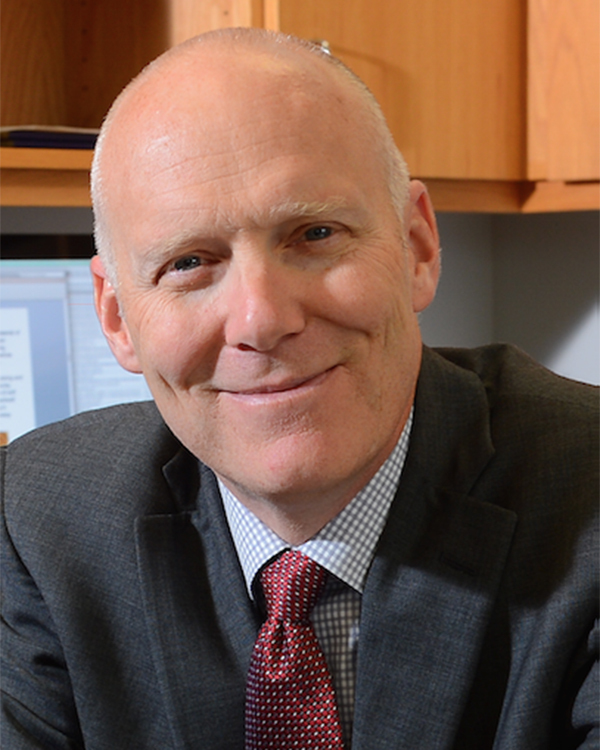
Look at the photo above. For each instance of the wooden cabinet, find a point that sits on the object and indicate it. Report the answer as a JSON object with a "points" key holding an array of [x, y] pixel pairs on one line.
{"points": [[494, 103], [64, 61]]}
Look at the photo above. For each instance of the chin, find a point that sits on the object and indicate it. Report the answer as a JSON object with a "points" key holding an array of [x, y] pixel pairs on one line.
{"points": [[298, 470]]}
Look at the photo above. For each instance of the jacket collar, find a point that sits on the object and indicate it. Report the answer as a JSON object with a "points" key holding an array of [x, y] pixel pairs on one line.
{"points": [[201, 623]]}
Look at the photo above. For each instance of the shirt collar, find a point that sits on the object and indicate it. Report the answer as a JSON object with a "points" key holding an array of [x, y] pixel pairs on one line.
{"points": [[344, 546]]}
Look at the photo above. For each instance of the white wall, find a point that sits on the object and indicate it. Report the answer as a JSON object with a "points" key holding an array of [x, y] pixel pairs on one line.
{"points": [[462, 312], [545, 290], [529, 280]]}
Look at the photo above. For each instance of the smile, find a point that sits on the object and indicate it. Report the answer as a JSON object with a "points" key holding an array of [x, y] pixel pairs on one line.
{"points": [[288, 387]]}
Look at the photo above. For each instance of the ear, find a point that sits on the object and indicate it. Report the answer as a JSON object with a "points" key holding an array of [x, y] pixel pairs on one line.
{"points": [[112, 322], [423, 244]]}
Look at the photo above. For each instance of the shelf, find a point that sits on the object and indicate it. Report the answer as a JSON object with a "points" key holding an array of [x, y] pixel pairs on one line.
{"points": [[60, 177], [494, 196], [44, 177]]}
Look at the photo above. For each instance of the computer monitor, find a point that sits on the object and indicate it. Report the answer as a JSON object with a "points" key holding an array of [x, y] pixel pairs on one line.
{"points": [[54, 359]]}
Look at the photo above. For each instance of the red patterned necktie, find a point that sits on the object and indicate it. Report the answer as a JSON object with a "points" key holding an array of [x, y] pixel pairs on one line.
{"points": [[290, 702]]}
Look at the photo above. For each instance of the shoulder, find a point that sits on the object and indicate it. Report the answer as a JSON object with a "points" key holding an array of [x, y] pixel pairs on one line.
{"points": [[93, 441], [87, 462], [544, 430], [514, 382], [500, 393]]}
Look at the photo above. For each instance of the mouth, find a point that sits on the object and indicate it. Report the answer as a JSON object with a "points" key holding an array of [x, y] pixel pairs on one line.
{"points": [[289, 386]]}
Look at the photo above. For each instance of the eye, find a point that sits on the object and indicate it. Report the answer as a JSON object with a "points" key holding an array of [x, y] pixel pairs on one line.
{"points": [[314, 234], [318, 243], [188, 270], [188, 263]]}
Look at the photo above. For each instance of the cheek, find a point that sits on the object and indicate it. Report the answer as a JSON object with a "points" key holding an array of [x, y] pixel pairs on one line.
{"points": [[174, 343], [377, 303], [373, 298]]}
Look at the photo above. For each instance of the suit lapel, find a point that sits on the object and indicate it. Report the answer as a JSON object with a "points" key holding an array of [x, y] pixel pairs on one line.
{"points": [[425, 610], [433, 583], [200, 621]]}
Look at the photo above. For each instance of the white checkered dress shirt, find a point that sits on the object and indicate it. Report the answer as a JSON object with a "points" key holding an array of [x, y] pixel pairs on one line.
{"points": [[345, 547]]}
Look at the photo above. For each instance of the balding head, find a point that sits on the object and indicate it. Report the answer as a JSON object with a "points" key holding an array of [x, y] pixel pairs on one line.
{"points": [[210, 80]]}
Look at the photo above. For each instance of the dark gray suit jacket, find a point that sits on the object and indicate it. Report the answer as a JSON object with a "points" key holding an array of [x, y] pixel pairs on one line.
{"points": [[128, 626]]}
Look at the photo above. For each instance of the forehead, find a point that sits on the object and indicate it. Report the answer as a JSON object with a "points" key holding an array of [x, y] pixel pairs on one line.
{"points": [[233, 124], [194, 103]]}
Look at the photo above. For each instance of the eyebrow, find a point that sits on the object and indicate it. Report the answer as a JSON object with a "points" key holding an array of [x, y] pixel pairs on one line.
{"points": [[280, 213], [289, 210]]}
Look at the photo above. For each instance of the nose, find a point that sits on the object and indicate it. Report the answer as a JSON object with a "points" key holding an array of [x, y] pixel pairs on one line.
{"points": [[262, 305]]}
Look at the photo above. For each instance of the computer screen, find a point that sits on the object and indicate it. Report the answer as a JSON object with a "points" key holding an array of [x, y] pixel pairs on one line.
{"points": [[54, 359]]}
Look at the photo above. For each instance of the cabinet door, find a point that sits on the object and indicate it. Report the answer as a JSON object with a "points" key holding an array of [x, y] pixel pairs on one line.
{"points": [[449, 75], [494, 90], [563, 111]]}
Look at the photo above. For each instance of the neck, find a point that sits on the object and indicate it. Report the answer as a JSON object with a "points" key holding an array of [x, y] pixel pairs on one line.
{"points": [[294, 522], [297, 516]]}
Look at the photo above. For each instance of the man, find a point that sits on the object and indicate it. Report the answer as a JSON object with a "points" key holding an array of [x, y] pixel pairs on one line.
{"points": [[262, 260]]}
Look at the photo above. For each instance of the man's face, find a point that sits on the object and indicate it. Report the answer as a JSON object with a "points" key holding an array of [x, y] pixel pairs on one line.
{"points": [[265, 290]]}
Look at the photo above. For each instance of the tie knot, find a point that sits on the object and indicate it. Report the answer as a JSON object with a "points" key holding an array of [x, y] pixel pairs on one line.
{"points": [[292, 584]]}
